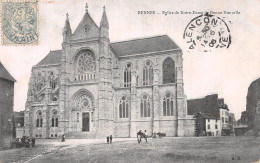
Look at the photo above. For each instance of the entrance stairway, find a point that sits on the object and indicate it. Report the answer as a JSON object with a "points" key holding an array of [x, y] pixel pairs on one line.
{"points": [[80, 135]]}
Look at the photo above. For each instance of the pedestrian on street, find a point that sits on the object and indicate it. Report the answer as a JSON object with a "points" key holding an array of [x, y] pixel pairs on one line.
{"points": [[63, 138], [111, 139], [145, 135], [108, 139]]}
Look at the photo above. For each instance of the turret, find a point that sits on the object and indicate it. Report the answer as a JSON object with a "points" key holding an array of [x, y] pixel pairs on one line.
{"points": [[104, 26], [66, 30]]}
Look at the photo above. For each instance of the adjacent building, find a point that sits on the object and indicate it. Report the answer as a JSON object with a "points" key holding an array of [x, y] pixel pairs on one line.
{"points": [[213, 111], [6, 107], [207, 124], [92, 88], [253, 106]]}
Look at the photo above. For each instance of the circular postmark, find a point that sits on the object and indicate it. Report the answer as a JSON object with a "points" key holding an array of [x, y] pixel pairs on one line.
{"points": [[20, 22], [207, 31]]}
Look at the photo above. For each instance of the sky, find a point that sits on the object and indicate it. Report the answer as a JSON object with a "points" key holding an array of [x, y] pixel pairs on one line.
{"points": [[227, 72]]}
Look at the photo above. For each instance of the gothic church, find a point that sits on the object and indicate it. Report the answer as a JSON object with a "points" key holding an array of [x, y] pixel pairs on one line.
{"points": [[93, 88]]}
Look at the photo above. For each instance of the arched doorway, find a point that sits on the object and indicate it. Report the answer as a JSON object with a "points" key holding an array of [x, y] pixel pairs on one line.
{"points": [[82, 111]]}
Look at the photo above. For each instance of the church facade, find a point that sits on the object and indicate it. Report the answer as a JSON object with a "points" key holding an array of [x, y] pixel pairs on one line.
{"points": [[93, 88]]}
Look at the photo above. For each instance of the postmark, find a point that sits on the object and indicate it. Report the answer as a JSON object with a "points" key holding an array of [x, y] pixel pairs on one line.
{"points": [[207, 32], [19, 22]]}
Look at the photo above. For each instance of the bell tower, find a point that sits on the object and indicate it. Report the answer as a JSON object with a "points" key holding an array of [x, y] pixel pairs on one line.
{"points": [[105, 79]]}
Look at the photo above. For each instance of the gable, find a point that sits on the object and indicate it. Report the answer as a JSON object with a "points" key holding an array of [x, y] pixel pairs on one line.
{"points": [[145, 45], [4, 74], [87, 28]]}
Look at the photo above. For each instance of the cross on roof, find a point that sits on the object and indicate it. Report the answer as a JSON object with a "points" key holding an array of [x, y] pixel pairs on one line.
{"points": [[86, 7]]}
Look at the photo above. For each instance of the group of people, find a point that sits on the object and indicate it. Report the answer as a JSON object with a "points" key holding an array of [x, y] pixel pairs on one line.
{"points": [[140, 135], [109, 139]]}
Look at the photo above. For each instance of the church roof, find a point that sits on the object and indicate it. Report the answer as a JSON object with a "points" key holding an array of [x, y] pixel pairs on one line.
{"points": [[87, 28], [124, 48], [5, 74], [54, 57], [144, 45]]}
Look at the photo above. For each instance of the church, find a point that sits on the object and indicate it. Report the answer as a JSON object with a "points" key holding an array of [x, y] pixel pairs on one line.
{"points": [[93, 88]]}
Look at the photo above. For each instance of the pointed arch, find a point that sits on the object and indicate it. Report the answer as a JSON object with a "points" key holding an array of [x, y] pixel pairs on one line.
{"points": [[168, 71], [123, 107], [168, 104], [39, 118], [54, 118], [148, 73], [127, 75], [145, 105]]}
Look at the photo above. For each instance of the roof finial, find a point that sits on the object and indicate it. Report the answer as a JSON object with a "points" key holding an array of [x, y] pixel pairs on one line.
{"points": [[67, 15], [104, 7], [86, 7]]}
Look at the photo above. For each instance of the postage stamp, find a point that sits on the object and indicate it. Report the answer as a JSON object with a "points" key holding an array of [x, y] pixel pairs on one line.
{"points": [[19, 20], [206, 32]]}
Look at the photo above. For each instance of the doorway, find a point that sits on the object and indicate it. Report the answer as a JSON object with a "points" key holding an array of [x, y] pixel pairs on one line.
{"points": [[85, 121]]}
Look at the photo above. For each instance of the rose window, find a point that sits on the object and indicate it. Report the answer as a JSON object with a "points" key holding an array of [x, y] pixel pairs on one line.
{"points": [[84, 102], [86, 62]]}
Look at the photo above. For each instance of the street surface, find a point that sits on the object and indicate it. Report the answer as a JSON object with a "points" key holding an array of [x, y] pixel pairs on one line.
{"points": [[175, 149]]}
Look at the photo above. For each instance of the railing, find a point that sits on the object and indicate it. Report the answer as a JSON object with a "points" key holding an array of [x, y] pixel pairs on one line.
{"points": [[81, 77]]}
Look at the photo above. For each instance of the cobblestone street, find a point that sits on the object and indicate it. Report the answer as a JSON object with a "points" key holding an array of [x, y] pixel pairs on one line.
{"points": [[202, 149]]}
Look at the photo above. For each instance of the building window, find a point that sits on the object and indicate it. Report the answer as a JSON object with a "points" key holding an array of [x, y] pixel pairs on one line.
{"points": [[40, 135], [54, 119], [216, 126], [123, 108], [168, 71], [208, 120], [51, 135], [55, 135], [39, 119], [148, 73], [208, 126], [85, 65], [145, 106], [36, 135], [168, 104], [222, 120], [53, 85], [127, 75]]}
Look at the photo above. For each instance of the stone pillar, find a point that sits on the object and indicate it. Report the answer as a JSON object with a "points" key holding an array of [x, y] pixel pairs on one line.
{"points": [[133, 105], [156, 100]]}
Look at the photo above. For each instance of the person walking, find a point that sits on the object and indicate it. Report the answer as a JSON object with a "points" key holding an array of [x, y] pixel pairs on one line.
{"points": [[108, 139], [111, 139], [145, 135]]}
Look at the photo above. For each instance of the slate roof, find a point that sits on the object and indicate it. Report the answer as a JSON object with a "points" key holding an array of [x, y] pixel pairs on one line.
{"points": [[125, 48], [54, 57], [4, 74], [208, 115], [144, 45], [208, 105]]}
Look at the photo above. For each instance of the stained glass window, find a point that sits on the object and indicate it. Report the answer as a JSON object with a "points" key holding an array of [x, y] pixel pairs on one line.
{"points": [[54, 119], [86, 62], [168, 71], [145, 106], [148, 73], [168, 104], [39, 119], [123, 108], [127, 75]]}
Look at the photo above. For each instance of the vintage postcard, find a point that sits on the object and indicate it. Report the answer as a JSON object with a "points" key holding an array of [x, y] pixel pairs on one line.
{"points": [[129, 81]]}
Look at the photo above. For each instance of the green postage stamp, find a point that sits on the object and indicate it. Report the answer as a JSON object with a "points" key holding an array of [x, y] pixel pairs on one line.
{"points": [[19, 20]]}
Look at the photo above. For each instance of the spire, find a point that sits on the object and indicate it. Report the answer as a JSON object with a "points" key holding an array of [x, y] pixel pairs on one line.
{"points": [[104, 22], [66, 29], [86, 7]]}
